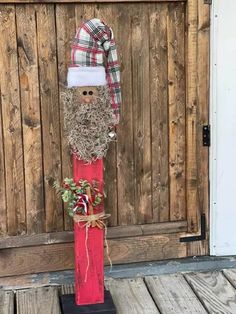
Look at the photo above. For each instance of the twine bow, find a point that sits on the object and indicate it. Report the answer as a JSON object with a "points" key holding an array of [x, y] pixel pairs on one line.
{"points": [[94, 220]]}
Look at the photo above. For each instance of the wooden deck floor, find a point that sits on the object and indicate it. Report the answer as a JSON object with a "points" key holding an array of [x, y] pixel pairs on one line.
{"points": [[194, 292]]}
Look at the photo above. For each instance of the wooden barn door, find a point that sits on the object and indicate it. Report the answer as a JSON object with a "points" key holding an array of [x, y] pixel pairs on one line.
{"points": [[160, 185], [156, 173]]}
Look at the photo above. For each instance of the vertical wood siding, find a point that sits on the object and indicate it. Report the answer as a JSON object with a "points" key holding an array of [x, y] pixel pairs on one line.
{"points": [[145, 169], [30, 117], [15, 213]]}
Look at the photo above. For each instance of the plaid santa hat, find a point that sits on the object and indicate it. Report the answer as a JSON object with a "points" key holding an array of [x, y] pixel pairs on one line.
{"points": [[94, 60]]}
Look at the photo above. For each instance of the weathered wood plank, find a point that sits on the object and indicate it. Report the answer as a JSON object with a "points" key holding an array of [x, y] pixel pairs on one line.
{"points": [[36, 280], [165, 227], [11, 121], [230, 274], [141, 114], [159, 112], [191, 117], [16, 261], [176, 102], [173, 295], [65, 23], [3, 203], [36, 259], [214, 290], [112, 233], [6, 302], [83, 1], [131, 296], [125, 151], [31, 117], [110, 186], [39, 300], [27, 281], [83, 12], [203, 68], [36, 239], [50, 114], [106, 13]]}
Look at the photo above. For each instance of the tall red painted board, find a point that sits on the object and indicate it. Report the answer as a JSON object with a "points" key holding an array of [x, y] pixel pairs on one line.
{"points": [[89, 245]]}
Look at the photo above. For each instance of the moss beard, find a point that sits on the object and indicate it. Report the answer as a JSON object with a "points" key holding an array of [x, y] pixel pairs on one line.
{"points": [[87, 126]]}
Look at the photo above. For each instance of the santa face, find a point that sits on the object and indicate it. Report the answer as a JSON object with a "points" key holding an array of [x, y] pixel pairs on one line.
{"points": [[89, 121], [88, 94]]}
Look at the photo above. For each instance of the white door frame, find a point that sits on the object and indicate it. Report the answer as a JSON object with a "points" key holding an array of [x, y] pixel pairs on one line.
{"points": [[212, 118], [222, 155]]}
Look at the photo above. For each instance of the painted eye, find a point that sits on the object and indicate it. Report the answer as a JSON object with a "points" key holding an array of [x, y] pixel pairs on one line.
{"points": [[84, 92], [90, 92]]}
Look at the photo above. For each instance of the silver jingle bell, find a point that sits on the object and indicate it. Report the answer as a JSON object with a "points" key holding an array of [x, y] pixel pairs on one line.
{"points": [[112, 135]]}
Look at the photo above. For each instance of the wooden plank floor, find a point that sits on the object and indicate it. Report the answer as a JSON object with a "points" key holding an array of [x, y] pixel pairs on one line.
{"points": [[182, 293]]}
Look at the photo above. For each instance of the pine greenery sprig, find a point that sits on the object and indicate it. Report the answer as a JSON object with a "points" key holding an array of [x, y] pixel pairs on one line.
{"points": [[75, 195]]}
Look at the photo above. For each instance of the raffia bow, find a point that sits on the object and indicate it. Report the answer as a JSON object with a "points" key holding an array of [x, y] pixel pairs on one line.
{"points": [[94, 220]]}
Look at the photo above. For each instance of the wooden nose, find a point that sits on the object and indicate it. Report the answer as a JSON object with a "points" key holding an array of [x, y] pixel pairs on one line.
{"points": [[87, 100]]}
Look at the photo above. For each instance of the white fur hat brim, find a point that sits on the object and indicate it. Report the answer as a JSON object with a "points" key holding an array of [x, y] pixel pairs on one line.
{"points": [[86, 76]]}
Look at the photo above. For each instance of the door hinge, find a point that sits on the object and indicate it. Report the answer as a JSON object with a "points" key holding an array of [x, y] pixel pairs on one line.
{"points": [[200, 237], [207, 1], [206, 135]]}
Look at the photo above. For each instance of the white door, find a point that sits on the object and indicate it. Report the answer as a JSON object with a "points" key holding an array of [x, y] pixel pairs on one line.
{"points": [[223, 121]]}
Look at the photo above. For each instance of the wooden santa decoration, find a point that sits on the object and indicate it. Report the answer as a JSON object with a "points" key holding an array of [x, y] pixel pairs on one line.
{"points": [[92, 105]]}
